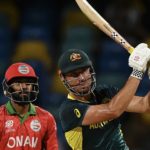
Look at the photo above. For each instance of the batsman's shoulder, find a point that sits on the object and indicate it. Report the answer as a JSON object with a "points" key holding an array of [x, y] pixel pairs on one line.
{"points": [[108, 90], [2, 109], [67, 106], [105, 87], [64, 105], [3, 112], [42, 111]]}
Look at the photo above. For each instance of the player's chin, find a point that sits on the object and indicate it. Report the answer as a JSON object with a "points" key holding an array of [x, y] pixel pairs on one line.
{"points": [[23, 96], [83, 89]]}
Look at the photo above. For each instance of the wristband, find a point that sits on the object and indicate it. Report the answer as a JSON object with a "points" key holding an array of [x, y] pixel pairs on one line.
{"points": [[137, 74]]}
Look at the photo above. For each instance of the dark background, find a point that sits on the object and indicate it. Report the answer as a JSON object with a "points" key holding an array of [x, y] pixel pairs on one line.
{"points": [[38, 31]]}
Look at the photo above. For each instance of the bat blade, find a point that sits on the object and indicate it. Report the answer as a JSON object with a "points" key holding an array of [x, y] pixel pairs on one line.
{"points": [[102, 24]]}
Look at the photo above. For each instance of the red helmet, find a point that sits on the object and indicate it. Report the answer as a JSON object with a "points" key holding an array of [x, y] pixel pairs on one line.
{"points": [[19, 70]]}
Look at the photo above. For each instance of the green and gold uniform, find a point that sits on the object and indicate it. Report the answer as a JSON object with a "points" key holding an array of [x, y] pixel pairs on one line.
{"points": [[105, 135]]}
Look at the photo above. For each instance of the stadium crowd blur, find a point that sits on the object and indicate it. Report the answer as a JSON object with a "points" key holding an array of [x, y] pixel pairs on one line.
{"points": [[38, 31]]}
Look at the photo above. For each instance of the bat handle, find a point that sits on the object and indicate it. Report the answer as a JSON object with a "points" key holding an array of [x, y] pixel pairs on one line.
{"points": [[130, 49]]}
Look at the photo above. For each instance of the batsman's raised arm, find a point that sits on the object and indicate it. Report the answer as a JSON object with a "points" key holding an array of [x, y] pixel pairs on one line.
{"points": [[118, 104], [115, 107]]}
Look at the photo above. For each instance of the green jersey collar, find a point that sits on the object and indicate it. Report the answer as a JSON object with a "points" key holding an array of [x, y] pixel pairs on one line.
{"points": [[12, 111]]}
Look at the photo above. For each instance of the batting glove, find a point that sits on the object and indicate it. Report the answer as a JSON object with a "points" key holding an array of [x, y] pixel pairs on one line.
{"points": [[138, 60]]}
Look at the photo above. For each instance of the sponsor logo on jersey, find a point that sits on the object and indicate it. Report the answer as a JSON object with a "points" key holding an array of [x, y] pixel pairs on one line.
{"points": [[35, 125], [77, 112], [9, 124], [98, 125], [21, 141]]}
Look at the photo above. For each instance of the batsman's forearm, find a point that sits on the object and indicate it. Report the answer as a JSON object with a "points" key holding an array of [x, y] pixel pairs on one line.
{"points": [[115, 107], [144, 104], [120, 101]]}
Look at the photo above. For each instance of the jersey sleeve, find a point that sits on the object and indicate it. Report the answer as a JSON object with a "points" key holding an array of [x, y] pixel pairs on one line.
{"points": [[72, 114], [51, 140], [112, 91], [106, 92]]}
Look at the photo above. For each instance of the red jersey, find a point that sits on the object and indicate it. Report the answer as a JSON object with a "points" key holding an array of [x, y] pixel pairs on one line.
{"points": [[35, 131]]}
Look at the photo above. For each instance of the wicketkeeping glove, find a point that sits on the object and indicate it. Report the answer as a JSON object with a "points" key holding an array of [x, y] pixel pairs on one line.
{"points": [[138, 60]]}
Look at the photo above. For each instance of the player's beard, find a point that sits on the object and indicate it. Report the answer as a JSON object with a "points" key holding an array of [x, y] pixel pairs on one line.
{"points": [[21, 98]]}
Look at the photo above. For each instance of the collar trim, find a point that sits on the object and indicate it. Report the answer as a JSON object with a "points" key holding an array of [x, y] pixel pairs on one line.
{"points": [[11, 110]]}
